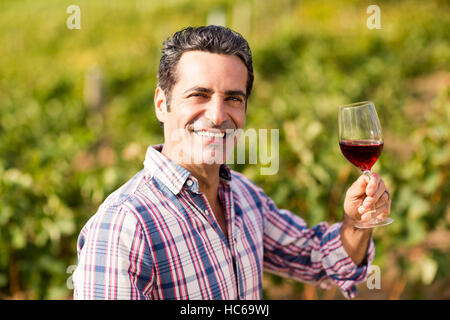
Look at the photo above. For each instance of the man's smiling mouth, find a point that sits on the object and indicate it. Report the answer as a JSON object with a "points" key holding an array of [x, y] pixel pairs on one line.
{"points": [[210, 134]]}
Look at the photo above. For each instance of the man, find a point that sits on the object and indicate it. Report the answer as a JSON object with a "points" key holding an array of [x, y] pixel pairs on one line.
{"points": [[188, 228]]}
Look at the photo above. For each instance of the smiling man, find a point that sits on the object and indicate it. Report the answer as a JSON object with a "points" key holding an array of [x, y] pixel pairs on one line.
{"points": [[188, 227], [208, 101]]}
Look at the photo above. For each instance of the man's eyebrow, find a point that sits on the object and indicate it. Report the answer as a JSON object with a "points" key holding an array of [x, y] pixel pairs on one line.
{"points": [[236, 93], [199, 89], [210, 91]]}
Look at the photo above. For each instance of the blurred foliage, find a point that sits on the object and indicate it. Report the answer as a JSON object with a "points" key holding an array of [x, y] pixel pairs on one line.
{"points": [[76, 115]]}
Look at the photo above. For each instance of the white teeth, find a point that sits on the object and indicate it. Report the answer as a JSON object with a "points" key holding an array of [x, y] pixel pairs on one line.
{"points": [[210, 134]]}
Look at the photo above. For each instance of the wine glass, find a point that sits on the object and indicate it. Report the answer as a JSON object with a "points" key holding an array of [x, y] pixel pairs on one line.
{"points": [[361, 142]]}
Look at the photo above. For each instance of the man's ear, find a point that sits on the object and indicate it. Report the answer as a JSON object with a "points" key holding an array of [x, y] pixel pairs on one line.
{"points": [[160, 105]]}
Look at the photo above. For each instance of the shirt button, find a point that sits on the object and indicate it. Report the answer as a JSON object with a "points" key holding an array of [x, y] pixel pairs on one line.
{"points": [[189, 183]]}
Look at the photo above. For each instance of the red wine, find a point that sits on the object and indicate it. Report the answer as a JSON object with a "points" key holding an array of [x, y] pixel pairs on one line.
{"points": [[361, 153]]}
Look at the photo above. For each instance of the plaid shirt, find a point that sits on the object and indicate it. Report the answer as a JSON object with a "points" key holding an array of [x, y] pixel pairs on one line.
{"points": [[156, 238]]}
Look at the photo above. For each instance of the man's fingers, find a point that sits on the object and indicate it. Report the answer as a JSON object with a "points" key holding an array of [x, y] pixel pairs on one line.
{"points": [[373, 185], [368, 198], [370, 201], [358, 188], [365, 186], [382, 202], [380, 212]]}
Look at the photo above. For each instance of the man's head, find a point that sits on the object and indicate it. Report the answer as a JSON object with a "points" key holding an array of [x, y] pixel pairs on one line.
{"points": [[205, 76], [212, 39]]}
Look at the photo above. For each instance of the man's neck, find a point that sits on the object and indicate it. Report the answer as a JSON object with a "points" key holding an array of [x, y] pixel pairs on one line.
{"points": [[208, 179], [207, 176]]}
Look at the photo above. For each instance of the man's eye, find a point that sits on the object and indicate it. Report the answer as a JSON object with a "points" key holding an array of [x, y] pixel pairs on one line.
{"points": [[201, 95], [235, 99]]}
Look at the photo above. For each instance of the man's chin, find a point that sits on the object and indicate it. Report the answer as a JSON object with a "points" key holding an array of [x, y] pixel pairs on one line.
{"points": [[208, 156], [207, 151]]}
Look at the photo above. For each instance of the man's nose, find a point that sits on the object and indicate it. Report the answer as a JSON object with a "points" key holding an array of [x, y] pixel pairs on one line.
{"points": [[216, 111]]}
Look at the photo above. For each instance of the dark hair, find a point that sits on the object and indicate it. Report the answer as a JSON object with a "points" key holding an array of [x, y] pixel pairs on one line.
{"points": [[213, 39]]}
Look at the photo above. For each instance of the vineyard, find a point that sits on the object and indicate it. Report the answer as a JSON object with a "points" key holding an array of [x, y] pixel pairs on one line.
{"points": [[77, 114]]}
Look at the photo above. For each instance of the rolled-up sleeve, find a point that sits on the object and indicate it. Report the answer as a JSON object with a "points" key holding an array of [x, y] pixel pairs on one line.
{"points": [[313, 255], [114, 260]]}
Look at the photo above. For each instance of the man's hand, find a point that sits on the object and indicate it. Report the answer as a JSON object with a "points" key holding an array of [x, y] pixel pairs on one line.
{"points": [[361, 198], [364, 196]]}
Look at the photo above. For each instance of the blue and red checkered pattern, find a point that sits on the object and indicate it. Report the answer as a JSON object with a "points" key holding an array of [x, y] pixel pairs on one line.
{"points": [[156, 238]]}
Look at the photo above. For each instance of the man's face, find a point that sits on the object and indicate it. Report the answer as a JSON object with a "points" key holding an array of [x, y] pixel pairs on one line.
{"points": [[207, 103]]}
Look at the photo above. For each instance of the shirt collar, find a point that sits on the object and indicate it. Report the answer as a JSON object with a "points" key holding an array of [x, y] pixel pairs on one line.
{"points": [[173, 175]]}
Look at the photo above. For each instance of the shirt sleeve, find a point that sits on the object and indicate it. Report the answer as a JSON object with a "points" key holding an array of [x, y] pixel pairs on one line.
{"points": [[114, 260], [312, 255]]}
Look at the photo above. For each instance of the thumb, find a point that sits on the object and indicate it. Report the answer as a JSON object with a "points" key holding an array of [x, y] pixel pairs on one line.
{"points": [[358, 188]]}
